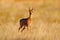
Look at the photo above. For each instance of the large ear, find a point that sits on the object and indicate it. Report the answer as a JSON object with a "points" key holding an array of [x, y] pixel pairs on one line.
{"points": [[30, 9]]}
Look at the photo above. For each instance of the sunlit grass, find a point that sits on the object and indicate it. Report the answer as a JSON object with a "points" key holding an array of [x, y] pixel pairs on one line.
{"points": [[45, 21]]}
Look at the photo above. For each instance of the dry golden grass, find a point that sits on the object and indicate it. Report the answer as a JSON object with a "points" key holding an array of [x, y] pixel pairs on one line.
{"points": [[45, 19]]}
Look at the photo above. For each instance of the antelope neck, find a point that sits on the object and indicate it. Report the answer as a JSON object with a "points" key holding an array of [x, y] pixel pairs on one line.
{"points": [[29, 16]]}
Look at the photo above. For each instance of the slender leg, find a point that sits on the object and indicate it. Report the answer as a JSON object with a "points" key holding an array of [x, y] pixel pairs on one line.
{"points": [[27, 27], [30, 28], [23, 29], [20, 27]]}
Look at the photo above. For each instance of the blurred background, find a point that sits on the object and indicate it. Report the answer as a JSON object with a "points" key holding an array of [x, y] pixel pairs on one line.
{"points": [[45, 19]]}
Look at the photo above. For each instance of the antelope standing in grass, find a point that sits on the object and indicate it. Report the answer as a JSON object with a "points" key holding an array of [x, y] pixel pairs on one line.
{"points": [[26, 22]]}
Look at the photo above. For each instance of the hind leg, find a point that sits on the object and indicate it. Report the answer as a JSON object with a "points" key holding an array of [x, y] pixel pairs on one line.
{"points": [[20, 27], [23, 28]]}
